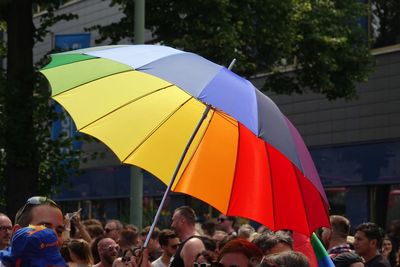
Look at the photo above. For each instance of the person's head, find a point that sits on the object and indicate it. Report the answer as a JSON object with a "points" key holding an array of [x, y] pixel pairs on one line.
{"points": [[219, 237], [34, 246], [226, 223], [367, 239], [169, 242], [287, 259], [112, 229], [5, 231], [245, 231], [95, 230], [387, 244], [153, 241], [40, 210], [241, 253], [183, 219], [339, 231], [208, 227], [79, 251], [348, 259], [128, 238], [271, 243], [108, 250]]}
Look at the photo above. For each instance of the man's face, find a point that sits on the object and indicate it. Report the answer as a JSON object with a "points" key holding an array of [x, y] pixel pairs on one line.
{"points": [[112, 231], [326, 235], [49, 216], [5, 232], [362, 245], [170, 249], [224, 222], [177, 221], [108, 250]]}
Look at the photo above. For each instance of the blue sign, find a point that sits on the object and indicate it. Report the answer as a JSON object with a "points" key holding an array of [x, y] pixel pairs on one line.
{"points": [[65, 128], [67, 42]]}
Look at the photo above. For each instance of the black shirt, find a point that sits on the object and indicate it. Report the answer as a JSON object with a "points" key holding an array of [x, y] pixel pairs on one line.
{"points": [[378, 261]]}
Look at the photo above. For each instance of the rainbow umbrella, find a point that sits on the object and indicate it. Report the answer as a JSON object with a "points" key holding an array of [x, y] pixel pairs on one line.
{"points": [[197, 126]]}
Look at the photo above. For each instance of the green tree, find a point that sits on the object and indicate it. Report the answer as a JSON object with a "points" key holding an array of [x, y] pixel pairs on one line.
{"points": [[29, 156], [321, 41]]}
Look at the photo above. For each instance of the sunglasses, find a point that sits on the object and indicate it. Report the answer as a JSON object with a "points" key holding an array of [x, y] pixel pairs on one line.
{"points": [[113, 247], [221, 220], [174, 246], [5, 228], [37, 200]]}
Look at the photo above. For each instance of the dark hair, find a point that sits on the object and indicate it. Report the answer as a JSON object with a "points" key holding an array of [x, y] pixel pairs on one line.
{"points": [[289, 259], [81, 249], [95, 251], [128, 237], [340, 226], [209, 243], [188, 213], [95, 230], [267, 241], [209, 227], [154, 234], [371, 231], [165, 235], [346, 258]]}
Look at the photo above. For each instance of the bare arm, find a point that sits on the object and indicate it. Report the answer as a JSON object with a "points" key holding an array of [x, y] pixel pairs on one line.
{"points": [[190, 250]]}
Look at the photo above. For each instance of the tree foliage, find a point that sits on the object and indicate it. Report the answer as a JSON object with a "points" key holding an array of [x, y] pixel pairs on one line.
{"points": [[31, 161], [321, 42]]}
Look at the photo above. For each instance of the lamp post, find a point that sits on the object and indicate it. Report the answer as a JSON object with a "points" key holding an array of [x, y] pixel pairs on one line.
{"points": [[136, 188]]}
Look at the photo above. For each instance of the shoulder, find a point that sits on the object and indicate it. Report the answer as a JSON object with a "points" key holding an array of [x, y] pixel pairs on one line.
{"points": [[378, 261], [194, 242]]}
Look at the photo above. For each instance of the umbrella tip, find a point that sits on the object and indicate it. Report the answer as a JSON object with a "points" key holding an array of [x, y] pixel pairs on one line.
{"points": [[232, 63]]}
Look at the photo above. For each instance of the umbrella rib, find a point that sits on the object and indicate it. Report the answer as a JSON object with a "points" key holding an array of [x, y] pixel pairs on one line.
{"points": [[124, 105], [156, 128]]}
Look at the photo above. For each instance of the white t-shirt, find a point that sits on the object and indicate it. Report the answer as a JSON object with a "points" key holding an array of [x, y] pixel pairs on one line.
{"points": [[157, 263]]}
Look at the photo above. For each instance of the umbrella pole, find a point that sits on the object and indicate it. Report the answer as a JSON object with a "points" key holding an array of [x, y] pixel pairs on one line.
{"points": [[153, 225]]}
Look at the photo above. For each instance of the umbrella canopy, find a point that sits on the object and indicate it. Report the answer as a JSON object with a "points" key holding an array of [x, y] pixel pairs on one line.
{"points": [[146, 102]]}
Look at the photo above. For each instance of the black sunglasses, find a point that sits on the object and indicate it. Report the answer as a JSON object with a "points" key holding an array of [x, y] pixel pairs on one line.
{"points": [[221, 219], [175, 246], [37, 200]]}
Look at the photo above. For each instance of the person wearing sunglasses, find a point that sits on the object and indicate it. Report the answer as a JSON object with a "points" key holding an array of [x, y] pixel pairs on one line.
{"points": [[227, 224], [113, 228], [39, 210], [169, 243], [108, 252]]}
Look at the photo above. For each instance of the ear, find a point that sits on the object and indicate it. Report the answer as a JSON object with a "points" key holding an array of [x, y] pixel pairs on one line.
{"points": [[16, 227], [373, 243]]}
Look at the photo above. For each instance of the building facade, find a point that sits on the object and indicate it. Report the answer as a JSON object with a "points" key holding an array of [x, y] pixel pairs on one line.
{"points": [[355, 144]]}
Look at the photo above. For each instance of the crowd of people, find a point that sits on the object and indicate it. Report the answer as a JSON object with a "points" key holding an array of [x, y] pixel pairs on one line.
{"points": [[43, 236]]}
